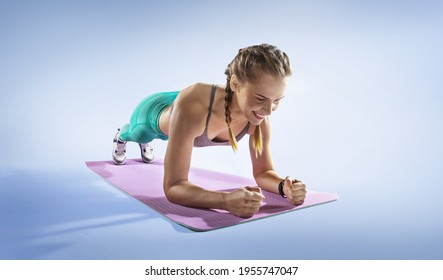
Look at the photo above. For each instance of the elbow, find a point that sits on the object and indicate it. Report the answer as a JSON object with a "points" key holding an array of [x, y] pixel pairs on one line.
{"points": [[172, 192], [169, 192]]}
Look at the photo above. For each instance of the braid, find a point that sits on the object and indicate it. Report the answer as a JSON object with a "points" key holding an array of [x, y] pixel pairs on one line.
{"points": [[266, 58], [257, 141], [228, 101]]}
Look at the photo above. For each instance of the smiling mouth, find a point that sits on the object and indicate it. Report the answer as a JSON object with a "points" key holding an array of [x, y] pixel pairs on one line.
{"points": [[258, 116]]}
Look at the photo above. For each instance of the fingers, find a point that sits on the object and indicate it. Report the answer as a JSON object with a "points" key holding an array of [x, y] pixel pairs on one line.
{"points": [[295, 190], [293, 186], [253, 200], [289, 181], [255, 193], [253, 189], [244, 202]]}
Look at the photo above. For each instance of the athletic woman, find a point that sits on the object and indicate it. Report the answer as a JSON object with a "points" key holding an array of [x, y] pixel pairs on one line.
{"points": [[207, 115]]}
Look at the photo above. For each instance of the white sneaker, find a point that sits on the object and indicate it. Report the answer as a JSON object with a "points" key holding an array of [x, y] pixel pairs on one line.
{"points": [[147, 152], [119, 152]]}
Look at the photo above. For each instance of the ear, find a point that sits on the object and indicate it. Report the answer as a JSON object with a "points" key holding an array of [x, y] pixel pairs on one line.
{"points": [[234, 83]]}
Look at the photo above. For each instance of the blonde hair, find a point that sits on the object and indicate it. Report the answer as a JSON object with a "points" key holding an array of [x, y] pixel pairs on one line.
{"points": [[265, 58]]}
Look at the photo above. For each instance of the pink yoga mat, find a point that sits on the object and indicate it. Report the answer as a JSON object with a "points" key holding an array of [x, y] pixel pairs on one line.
{"points": [[145, 183]]}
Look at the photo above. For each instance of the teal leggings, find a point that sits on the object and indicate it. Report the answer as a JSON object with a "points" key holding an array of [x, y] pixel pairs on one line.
{"points": [[144, 124]]}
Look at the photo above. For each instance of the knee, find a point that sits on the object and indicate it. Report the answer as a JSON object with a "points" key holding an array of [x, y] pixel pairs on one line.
{"points": [[141, 134]]}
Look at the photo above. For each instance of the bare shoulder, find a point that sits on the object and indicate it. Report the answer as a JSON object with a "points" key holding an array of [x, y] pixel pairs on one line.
{"points": [[191, 107], [194, 96]]}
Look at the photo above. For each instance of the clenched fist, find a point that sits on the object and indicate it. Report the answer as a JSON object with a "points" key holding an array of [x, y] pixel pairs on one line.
{"points": [[244, 202], [294, 190]]}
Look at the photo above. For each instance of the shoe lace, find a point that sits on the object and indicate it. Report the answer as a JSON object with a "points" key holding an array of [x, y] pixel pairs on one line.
{"points": [[120, 147], [145, 147]]}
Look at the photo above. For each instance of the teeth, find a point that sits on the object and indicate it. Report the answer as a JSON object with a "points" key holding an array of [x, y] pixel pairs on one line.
{"points": [[258, 115]]}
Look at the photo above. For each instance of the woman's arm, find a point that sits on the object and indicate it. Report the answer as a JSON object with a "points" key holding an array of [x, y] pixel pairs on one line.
{"points": [[266, 176], [187, 122], [262, 166]]}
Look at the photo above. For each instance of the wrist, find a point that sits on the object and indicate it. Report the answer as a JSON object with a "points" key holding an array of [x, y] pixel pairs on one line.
{"points": [[280, 188], [223, 201]]}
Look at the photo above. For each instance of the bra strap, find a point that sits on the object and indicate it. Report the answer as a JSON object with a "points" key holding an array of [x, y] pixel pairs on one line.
{"points": [[211, 102]]}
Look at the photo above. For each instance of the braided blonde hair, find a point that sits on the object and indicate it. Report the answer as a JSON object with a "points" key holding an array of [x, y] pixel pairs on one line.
{"points": [[265, 58]]}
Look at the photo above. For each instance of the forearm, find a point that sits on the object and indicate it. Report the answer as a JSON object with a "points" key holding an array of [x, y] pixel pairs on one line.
{"points": [[268, 180], [187, 194]]}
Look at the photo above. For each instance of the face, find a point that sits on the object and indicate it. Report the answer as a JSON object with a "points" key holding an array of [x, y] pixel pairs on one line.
{"points": [[258, 99]]}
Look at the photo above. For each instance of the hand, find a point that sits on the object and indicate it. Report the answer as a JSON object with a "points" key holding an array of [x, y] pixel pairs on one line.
{"points": [[244, 202], [294, 190]]}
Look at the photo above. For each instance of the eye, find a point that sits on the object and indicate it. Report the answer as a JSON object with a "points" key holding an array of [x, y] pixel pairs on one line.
{"points": [[260, 99]]}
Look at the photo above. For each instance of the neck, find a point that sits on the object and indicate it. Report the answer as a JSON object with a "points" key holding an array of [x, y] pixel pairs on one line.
{"points": [[237, 115]]}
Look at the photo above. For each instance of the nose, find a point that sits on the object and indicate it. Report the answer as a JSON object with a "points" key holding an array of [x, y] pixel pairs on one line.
{"points": [[269, 107]]}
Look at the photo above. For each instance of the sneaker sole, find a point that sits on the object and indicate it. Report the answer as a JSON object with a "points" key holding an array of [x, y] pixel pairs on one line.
{"points": [[116, 162], [145, 160]]}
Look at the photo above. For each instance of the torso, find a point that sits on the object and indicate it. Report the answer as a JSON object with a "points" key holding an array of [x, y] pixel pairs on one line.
{"points": [[198, 96]]}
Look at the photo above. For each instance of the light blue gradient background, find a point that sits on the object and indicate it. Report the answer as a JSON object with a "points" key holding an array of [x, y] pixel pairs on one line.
{"points": [[362, 118]]}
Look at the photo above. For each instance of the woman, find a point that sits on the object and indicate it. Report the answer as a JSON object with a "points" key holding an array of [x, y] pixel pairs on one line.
{"points": [[205, 115]]}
